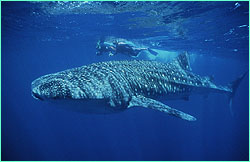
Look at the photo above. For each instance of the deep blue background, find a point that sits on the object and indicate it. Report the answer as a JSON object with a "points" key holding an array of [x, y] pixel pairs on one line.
{"points": [[36, 43]]}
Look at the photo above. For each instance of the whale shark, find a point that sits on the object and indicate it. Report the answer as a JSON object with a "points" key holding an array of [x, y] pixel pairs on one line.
{"points": [[126, 84]]}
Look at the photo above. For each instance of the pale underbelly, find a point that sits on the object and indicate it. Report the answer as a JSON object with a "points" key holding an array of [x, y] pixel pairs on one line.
{"points": [[95, 106]]}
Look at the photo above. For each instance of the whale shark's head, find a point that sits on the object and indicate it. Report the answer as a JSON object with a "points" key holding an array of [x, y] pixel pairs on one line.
{"points": [[55, 86], [71, 91]]}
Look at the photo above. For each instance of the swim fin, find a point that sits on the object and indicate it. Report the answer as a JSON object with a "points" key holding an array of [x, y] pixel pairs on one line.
{"points": [[152, 52]]}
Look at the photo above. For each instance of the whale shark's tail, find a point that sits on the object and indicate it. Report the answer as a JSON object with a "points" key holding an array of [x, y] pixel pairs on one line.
{"points": [[234, 86]]}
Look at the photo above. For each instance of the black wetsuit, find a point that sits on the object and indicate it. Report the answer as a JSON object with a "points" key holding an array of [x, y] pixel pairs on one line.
{"points": [[127, 49]]}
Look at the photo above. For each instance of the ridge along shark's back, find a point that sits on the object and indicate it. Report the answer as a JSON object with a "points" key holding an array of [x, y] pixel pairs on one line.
{"points": [[125, 84]]}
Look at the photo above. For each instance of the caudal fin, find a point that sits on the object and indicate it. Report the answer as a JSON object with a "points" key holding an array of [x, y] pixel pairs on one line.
{"points": [[234, 86]]}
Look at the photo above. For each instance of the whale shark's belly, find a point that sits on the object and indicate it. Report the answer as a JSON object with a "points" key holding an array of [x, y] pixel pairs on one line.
{"points": [[98, 106]]}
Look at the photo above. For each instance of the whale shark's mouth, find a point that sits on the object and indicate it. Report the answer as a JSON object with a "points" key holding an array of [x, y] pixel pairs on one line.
{"points": [[36, 96]]}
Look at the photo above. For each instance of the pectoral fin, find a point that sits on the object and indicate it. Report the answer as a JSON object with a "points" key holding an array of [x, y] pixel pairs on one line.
{"points": [[156, 105]]}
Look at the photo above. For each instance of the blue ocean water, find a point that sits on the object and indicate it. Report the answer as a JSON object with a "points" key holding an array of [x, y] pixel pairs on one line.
{"points": [[39, 38]]}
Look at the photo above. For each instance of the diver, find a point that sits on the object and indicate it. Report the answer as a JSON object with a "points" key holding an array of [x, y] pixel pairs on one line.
{"points": [[122, 46]]}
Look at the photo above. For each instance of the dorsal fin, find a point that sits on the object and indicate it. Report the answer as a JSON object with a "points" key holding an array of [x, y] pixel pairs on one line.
{"points": [[183, 60]]}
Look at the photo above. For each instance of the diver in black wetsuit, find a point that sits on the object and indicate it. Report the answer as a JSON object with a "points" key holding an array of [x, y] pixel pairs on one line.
{"points": [[120, 46]]}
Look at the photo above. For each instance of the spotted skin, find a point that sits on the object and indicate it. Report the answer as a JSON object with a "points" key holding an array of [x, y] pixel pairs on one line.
{"points": [[127, 83]]}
